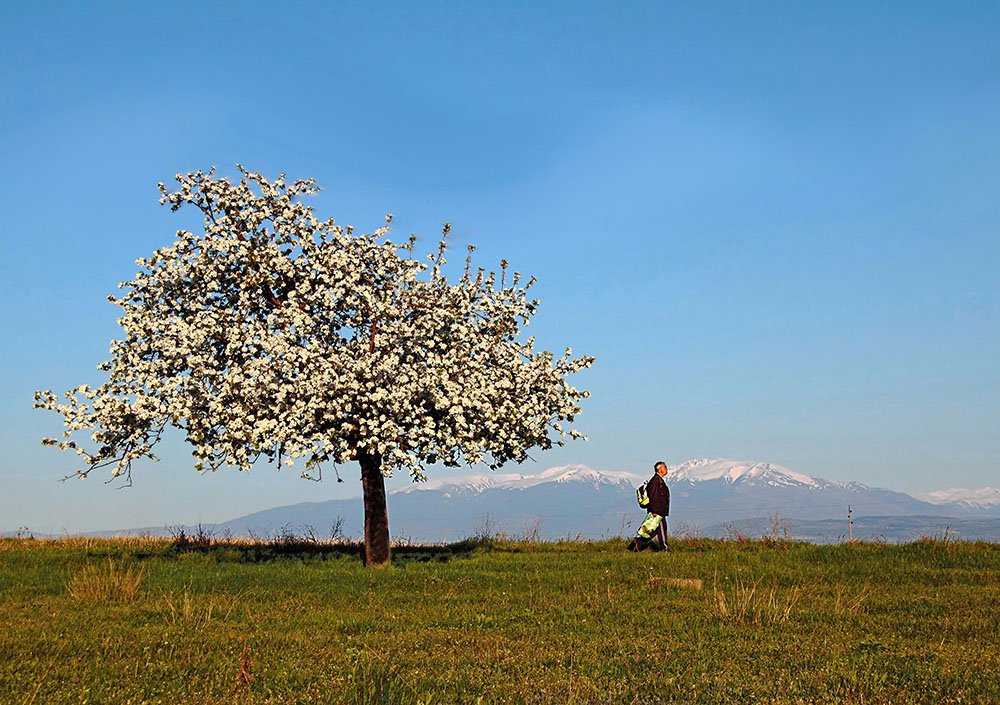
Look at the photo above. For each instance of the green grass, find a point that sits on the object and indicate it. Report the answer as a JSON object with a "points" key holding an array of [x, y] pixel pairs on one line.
{"points": [[500, 622]]}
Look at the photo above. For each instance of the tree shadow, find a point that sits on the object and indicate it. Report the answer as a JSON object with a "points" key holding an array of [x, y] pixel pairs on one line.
{"points": [[230, 550]]}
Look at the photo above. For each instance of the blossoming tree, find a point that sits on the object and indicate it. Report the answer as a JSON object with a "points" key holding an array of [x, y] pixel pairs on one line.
{"points": [[275, 335]]}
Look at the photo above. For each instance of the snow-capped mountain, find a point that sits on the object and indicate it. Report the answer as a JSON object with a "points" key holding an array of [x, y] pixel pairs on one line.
{"points": [[731, 471], [518, 481], [691, 471], [708, 496], [982, 498]]}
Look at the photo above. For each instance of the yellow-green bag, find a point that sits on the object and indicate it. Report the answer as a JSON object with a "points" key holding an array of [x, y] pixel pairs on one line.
{"points": [[649, 525]]}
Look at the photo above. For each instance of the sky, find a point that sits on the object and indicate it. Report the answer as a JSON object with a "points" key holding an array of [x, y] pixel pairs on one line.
{"points": [[775, 225]]}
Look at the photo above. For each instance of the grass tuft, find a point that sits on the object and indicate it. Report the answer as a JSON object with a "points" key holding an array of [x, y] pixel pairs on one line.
{"points": [[747, 603], [851, 604], [374, 682], [191, 610], [106, 582]]}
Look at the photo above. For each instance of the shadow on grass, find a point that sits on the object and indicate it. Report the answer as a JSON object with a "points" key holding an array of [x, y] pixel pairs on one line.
{"points": [[235, 550]]}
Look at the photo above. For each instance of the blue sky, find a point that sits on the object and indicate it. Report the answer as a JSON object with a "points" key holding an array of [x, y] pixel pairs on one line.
{"points": [[774, 224]]}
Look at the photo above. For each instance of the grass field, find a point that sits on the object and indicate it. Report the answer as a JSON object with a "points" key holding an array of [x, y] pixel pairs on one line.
{"points": [[154, 621]]}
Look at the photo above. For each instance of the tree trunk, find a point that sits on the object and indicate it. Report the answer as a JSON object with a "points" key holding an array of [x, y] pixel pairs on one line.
{"points": [[376, 516]]}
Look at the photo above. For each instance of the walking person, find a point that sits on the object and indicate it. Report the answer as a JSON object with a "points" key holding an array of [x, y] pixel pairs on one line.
{"points": [[652, 532]]}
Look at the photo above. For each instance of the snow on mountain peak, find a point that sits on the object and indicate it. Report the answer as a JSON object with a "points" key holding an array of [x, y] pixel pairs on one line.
{"points": [[732, 470], [979, 498], [479, 482], [582, 473], [726, 470], [722, 470]]}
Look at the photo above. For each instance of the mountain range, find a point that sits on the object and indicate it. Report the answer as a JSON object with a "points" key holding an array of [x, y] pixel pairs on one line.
{"points": [[710, 497]]}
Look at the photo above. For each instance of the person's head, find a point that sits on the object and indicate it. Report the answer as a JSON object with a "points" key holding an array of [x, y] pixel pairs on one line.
{"points": [[660, 467]]}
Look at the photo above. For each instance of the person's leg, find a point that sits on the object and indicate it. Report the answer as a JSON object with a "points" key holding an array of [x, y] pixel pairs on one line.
{"points": [[647, 534], [637, 544], [661, 535]]}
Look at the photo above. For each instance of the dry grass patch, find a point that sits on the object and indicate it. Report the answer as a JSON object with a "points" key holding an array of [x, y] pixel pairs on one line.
{"points": [[748, 603], [106, 582], [198, 611]]}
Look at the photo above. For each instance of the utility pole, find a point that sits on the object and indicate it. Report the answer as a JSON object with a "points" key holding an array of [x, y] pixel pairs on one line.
{"points": [[850, 524]]}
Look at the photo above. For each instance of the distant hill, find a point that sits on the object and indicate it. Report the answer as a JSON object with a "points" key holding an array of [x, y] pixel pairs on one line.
{"points": [[708, 497]]}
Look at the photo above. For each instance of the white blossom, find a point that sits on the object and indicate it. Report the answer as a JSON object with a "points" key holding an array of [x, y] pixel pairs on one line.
{"points": [[275, 335]]}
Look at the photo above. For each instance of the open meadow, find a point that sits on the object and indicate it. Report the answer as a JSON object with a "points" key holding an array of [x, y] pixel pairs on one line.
{"points": [[291, 621]]}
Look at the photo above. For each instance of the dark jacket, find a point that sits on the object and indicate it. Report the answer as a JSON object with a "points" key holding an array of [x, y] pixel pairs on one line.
{"points": [[659, 496]]}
